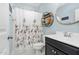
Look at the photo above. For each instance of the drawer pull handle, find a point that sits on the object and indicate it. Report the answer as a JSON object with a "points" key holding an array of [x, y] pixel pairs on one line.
{"points": [[54, 51]]}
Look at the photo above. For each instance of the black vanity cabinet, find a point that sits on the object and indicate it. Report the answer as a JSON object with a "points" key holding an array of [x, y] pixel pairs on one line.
{"points": [[54, 47]]}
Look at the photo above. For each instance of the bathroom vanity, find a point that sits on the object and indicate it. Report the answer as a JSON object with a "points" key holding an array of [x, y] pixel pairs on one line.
{"points": [[60, 46]]}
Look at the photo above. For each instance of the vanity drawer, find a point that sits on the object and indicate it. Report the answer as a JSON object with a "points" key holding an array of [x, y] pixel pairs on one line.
{"points": [[50, 50], [68, 49]]}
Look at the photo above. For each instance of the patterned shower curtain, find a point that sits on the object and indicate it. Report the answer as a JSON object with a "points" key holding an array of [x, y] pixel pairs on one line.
{"points": [[26, 29]]}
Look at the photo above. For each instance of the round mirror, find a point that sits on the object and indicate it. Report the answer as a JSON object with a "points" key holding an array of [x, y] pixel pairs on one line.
{"points": [[66, 14]]}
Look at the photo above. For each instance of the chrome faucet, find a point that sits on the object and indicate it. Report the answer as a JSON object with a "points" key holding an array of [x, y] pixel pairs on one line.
{"points": [[67, 34]]}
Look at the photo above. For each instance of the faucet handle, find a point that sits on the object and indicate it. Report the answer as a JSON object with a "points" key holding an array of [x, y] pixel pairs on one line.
{"points": [[65, 34]]}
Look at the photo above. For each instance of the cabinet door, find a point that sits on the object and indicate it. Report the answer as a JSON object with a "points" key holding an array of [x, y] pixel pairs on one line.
{"points": [[50, 50]]}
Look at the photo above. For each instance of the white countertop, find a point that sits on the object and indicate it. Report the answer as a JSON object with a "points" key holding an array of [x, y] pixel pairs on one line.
{"points": [[73, 40]]}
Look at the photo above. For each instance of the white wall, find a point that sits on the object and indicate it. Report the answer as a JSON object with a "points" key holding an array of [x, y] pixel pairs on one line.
{"points": [[4, 21]]}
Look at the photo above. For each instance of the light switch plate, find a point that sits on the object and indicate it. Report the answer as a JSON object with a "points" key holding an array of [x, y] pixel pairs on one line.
{"points": [[77, 15]]}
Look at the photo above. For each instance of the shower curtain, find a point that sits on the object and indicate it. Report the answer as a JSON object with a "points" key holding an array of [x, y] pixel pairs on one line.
{"points": [[27, 30]]}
